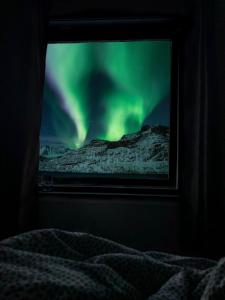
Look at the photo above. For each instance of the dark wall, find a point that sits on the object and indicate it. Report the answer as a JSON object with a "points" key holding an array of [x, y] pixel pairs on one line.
{"points": [[70, 7], [142, 223], [149, 223]]}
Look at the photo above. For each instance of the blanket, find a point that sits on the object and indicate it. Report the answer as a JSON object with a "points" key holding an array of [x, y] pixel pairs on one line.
{"points": [[54, 264]]}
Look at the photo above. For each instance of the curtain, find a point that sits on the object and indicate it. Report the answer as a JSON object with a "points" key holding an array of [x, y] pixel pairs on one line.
{"points": [[202, 127], [22, 52]]}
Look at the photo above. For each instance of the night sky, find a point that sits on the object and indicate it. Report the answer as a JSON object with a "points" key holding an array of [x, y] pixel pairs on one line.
{"points": [[103, 90]]}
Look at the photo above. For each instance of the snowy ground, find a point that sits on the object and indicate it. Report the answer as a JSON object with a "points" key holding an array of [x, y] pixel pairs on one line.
{"points": [[144, 152]]}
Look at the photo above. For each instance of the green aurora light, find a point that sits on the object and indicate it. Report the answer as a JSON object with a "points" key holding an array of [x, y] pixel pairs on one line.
{"points": [[139, 74]]}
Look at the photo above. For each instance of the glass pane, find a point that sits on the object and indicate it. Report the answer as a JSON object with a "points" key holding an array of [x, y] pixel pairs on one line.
{"points": [[106, 108]]}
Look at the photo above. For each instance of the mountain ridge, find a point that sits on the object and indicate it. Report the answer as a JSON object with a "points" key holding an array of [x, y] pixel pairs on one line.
{"points": [[142, 152]]}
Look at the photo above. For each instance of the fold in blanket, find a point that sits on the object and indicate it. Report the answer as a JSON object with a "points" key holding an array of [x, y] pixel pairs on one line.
{"points": [[53, 264]]}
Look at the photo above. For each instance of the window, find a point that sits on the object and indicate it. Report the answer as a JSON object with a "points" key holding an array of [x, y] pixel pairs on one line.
{"points": [[109, 107]]}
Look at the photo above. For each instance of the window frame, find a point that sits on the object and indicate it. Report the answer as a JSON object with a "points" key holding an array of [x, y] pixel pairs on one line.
{"points": [[126, 29]]}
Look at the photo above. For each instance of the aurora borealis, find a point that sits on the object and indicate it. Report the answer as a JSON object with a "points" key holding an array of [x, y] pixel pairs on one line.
{"points": [[103, 90]]}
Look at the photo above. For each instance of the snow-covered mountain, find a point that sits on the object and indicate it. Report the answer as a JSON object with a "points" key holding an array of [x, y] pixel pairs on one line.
{"points": [[143, 152]]}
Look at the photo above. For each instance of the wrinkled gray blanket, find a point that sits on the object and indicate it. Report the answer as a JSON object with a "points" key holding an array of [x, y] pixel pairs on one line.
{"points": [[53, 264]]}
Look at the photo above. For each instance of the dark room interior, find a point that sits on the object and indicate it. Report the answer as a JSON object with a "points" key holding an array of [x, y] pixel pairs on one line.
{"points": [[173, 213]]}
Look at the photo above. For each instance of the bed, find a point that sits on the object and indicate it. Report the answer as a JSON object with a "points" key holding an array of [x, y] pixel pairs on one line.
{"points": [[56, 264]]}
